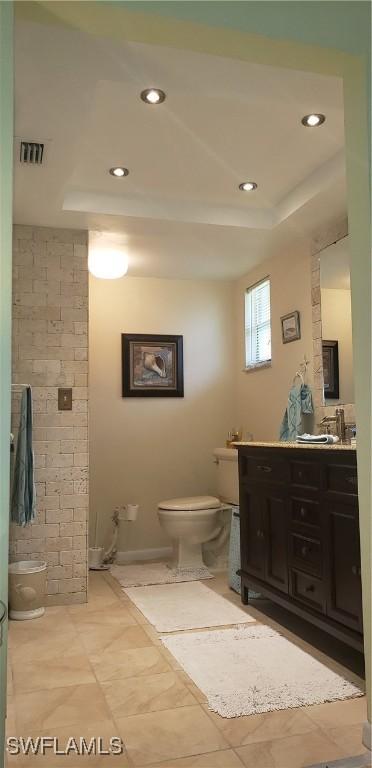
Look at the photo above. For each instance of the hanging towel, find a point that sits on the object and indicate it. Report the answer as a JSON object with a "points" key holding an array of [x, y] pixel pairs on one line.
{"points": [[299, 401], [23, 490], [306, 399]]}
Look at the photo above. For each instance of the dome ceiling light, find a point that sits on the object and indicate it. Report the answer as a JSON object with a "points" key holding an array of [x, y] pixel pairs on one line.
{"points": [[107, 256], [247, 186], [153, 96], [313, 120]]}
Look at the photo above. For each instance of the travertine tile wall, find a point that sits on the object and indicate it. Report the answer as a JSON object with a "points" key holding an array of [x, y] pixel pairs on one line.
{"points": [[50, 350], [330, 234]]}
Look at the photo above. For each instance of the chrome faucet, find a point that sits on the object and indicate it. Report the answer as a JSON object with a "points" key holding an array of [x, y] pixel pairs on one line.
{"points": [[339, 420]]}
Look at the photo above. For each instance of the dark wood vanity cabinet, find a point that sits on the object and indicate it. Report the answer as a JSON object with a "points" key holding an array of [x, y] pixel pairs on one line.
{"points": [[263, 528], [344, 574], [300, 533]]}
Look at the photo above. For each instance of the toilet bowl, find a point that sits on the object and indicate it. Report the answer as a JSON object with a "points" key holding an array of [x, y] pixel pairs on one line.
{"points": [[189, 522]]}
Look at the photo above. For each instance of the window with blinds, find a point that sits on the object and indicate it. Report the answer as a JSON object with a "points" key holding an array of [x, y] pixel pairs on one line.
{"points": [[258, 324]]}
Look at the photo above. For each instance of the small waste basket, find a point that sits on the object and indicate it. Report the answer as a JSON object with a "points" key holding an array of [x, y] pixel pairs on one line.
{"points": [[27, 580]]}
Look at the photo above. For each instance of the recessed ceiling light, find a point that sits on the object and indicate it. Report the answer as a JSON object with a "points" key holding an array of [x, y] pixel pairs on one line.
{"points": [[153, 96], [248, 186], [119, 172], [312, 121]]}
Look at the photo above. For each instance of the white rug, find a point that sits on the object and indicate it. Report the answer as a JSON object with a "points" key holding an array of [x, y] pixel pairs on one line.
{"points": [[156, 573], [250, 670], [185, 606]]}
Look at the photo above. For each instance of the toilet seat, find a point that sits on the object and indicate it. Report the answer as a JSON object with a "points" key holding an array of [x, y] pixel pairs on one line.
{"points": [[190, 503]]}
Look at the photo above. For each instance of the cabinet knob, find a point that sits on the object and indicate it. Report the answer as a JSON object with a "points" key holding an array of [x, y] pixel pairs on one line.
{"points": [[303, 512], [354, 570], [304, 551], [310, 588], [264, 468], [300, 473]]}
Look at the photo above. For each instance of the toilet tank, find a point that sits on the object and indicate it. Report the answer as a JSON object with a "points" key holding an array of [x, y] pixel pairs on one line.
{"points": [[227, 474]]}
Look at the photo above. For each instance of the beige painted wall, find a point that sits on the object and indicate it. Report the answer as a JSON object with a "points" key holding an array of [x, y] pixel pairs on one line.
{"points": [[336, 326], [145, 450], [262, 394]]}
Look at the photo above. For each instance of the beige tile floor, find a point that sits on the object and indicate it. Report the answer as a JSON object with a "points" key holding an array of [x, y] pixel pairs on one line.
{"points": [[100, 670]]}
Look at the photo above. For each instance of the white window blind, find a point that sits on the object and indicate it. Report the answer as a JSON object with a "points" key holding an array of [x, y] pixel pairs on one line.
{"points": [[258, 324]]}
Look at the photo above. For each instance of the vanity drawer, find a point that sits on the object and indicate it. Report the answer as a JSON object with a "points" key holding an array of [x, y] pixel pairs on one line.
{"points": [[305, 512], [306, 473], [308, 589], [342, 478], [306, 553], [266, 469]]}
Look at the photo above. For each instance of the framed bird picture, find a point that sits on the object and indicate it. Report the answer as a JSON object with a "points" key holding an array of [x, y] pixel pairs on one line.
{"points": [[152, 365]]}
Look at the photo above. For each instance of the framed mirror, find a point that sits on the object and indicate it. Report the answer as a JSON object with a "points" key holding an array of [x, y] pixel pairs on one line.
{"points": [[332, 325], [335, 304]]}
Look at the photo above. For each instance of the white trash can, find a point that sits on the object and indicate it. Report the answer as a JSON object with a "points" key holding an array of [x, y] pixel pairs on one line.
{"points": [[27, 582]]}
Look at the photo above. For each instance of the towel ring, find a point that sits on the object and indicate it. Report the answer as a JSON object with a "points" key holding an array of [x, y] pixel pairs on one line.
{"points": [[300, 376], [301, 373]]}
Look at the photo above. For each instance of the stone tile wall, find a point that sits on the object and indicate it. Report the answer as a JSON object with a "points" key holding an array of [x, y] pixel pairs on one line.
{"points": [[50, 350]]}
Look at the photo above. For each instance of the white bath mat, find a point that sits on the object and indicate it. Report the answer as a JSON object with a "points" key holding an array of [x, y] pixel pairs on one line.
{"points": [[171, 607], [156, 573], [250, 670]]}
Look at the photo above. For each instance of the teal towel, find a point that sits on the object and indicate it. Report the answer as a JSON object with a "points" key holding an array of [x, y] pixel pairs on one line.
{"points": [[299, 401], [23, 503], [306, 399]]}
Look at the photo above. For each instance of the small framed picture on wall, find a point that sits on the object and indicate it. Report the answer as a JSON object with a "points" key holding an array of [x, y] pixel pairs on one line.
{"points": [[291, 329]]}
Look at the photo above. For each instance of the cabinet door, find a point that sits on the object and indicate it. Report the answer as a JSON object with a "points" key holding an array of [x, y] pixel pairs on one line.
{"points": [[276, 539], [252, 542], [344, 602]]}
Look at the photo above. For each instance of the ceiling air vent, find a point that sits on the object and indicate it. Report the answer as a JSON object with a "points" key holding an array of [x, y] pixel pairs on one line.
{"points": [[31, 152]]}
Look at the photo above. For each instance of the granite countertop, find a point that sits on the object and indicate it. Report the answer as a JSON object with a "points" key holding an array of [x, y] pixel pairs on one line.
{"points": [[279, 444]]}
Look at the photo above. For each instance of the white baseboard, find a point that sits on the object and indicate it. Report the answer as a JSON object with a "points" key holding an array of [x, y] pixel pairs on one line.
{"points": [[367, 735], [143, 554]]}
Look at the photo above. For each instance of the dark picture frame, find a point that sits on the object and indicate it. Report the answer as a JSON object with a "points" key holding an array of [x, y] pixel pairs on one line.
{"points": [[331, 376], [152, 365], [291, 328]]}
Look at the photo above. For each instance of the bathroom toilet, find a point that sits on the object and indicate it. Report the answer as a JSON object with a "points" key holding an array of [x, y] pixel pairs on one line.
{"points": [[226, 460], [198, 524], [216, 550], [189, 522]]}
